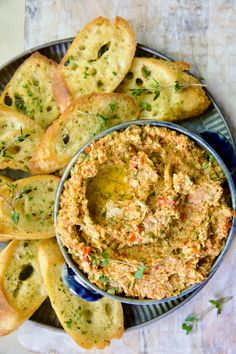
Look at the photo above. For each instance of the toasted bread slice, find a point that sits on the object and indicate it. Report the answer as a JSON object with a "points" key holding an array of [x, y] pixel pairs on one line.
{"points": [[163, 90], [97, 60], [21, 285], [90, 324], [26, 208], [30, 90], [85, 118], [19, 136]]}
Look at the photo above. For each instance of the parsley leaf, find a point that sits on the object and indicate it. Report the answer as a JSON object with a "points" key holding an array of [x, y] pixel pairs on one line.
{"points": [[187, 327], [145, 106], [105, 260], [68, 323], [15, 216], [177, 86], [139, 272], [113, 106], [218, 305], [103, 278], [139, 91]]}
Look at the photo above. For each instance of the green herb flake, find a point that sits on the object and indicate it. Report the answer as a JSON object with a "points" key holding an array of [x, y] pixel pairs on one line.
{"points": [[113, 106], [146, 72], [177, 86], [15, 216], [68, 323], [114, 73], [139, 272], [103, 278], [139, 91], [105, 260], [70, 58], [187, 327], [218, 305], [145, 106]]}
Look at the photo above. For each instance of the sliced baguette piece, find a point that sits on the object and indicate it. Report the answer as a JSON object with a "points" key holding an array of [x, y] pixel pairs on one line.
{"points": [[96, 61], [19, 136], [30, 90], [85, 118], [90, 324], [21, 285], [32, 199], [156, 85]]}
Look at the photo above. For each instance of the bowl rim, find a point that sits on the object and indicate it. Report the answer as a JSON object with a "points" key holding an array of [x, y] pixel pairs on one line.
{"points": [[120, 127]]}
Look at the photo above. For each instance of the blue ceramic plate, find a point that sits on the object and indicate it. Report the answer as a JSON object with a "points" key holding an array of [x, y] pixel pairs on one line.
{"points": [[212, 120]]}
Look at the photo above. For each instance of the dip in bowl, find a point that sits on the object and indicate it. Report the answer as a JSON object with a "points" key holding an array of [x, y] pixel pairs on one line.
{"points": [[144, 211]]}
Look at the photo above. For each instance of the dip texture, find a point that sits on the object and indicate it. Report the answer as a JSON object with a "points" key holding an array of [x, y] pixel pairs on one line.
{"points": [[144, 212]]}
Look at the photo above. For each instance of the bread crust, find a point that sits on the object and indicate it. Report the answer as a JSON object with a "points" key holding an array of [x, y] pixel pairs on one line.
{"points": [[11, 318], [62, 90], [51, 261]]}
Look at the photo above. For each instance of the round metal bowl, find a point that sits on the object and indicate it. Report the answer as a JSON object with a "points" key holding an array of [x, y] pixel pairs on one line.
{"points": [[76, 280]]}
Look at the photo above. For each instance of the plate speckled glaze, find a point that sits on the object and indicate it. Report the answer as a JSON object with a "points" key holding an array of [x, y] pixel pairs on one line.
{"points": [[213, 120]]}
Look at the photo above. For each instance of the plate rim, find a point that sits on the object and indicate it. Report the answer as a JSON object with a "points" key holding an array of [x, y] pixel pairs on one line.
{"points": [[224, 117]]}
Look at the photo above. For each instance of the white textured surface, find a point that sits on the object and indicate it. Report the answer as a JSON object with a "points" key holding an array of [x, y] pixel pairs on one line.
{"points": [[11, 28], [202, 32]]}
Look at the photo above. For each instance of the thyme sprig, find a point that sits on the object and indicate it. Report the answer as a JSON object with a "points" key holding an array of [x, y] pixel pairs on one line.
{"points": [[18, 139], [191, 322], [156, 88], [15, 195]]}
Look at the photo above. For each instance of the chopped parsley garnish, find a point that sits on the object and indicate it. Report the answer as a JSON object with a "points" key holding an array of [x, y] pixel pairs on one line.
{"points": [[105, 260], [70, 58], [139, 272], [15, 216], [177, 86], [113, 106], [68, 323], [139, 91], [103, 278], [145, 71], [145, 106]]}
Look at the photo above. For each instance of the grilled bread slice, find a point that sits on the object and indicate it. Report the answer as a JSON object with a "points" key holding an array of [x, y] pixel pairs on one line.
{"points": [[163, 90], [21, 285], [97, 60], [85, 118], [30, 90], [26, 208], [19, 136], [90, 324]]}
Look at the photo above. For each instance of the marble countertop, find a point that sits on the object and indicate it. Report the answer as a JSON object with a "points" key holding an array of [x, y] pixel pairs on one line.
{"points": [[201, 32]]}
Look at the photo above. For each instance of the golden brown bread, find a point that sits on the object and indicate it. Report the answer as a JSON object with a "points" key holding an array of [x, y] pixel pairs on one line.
{"points": [[19, 136], [90, 324], [30, 90], [163, 90], [85, 118], [96, 61], [21, 285], [26, 208]]}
